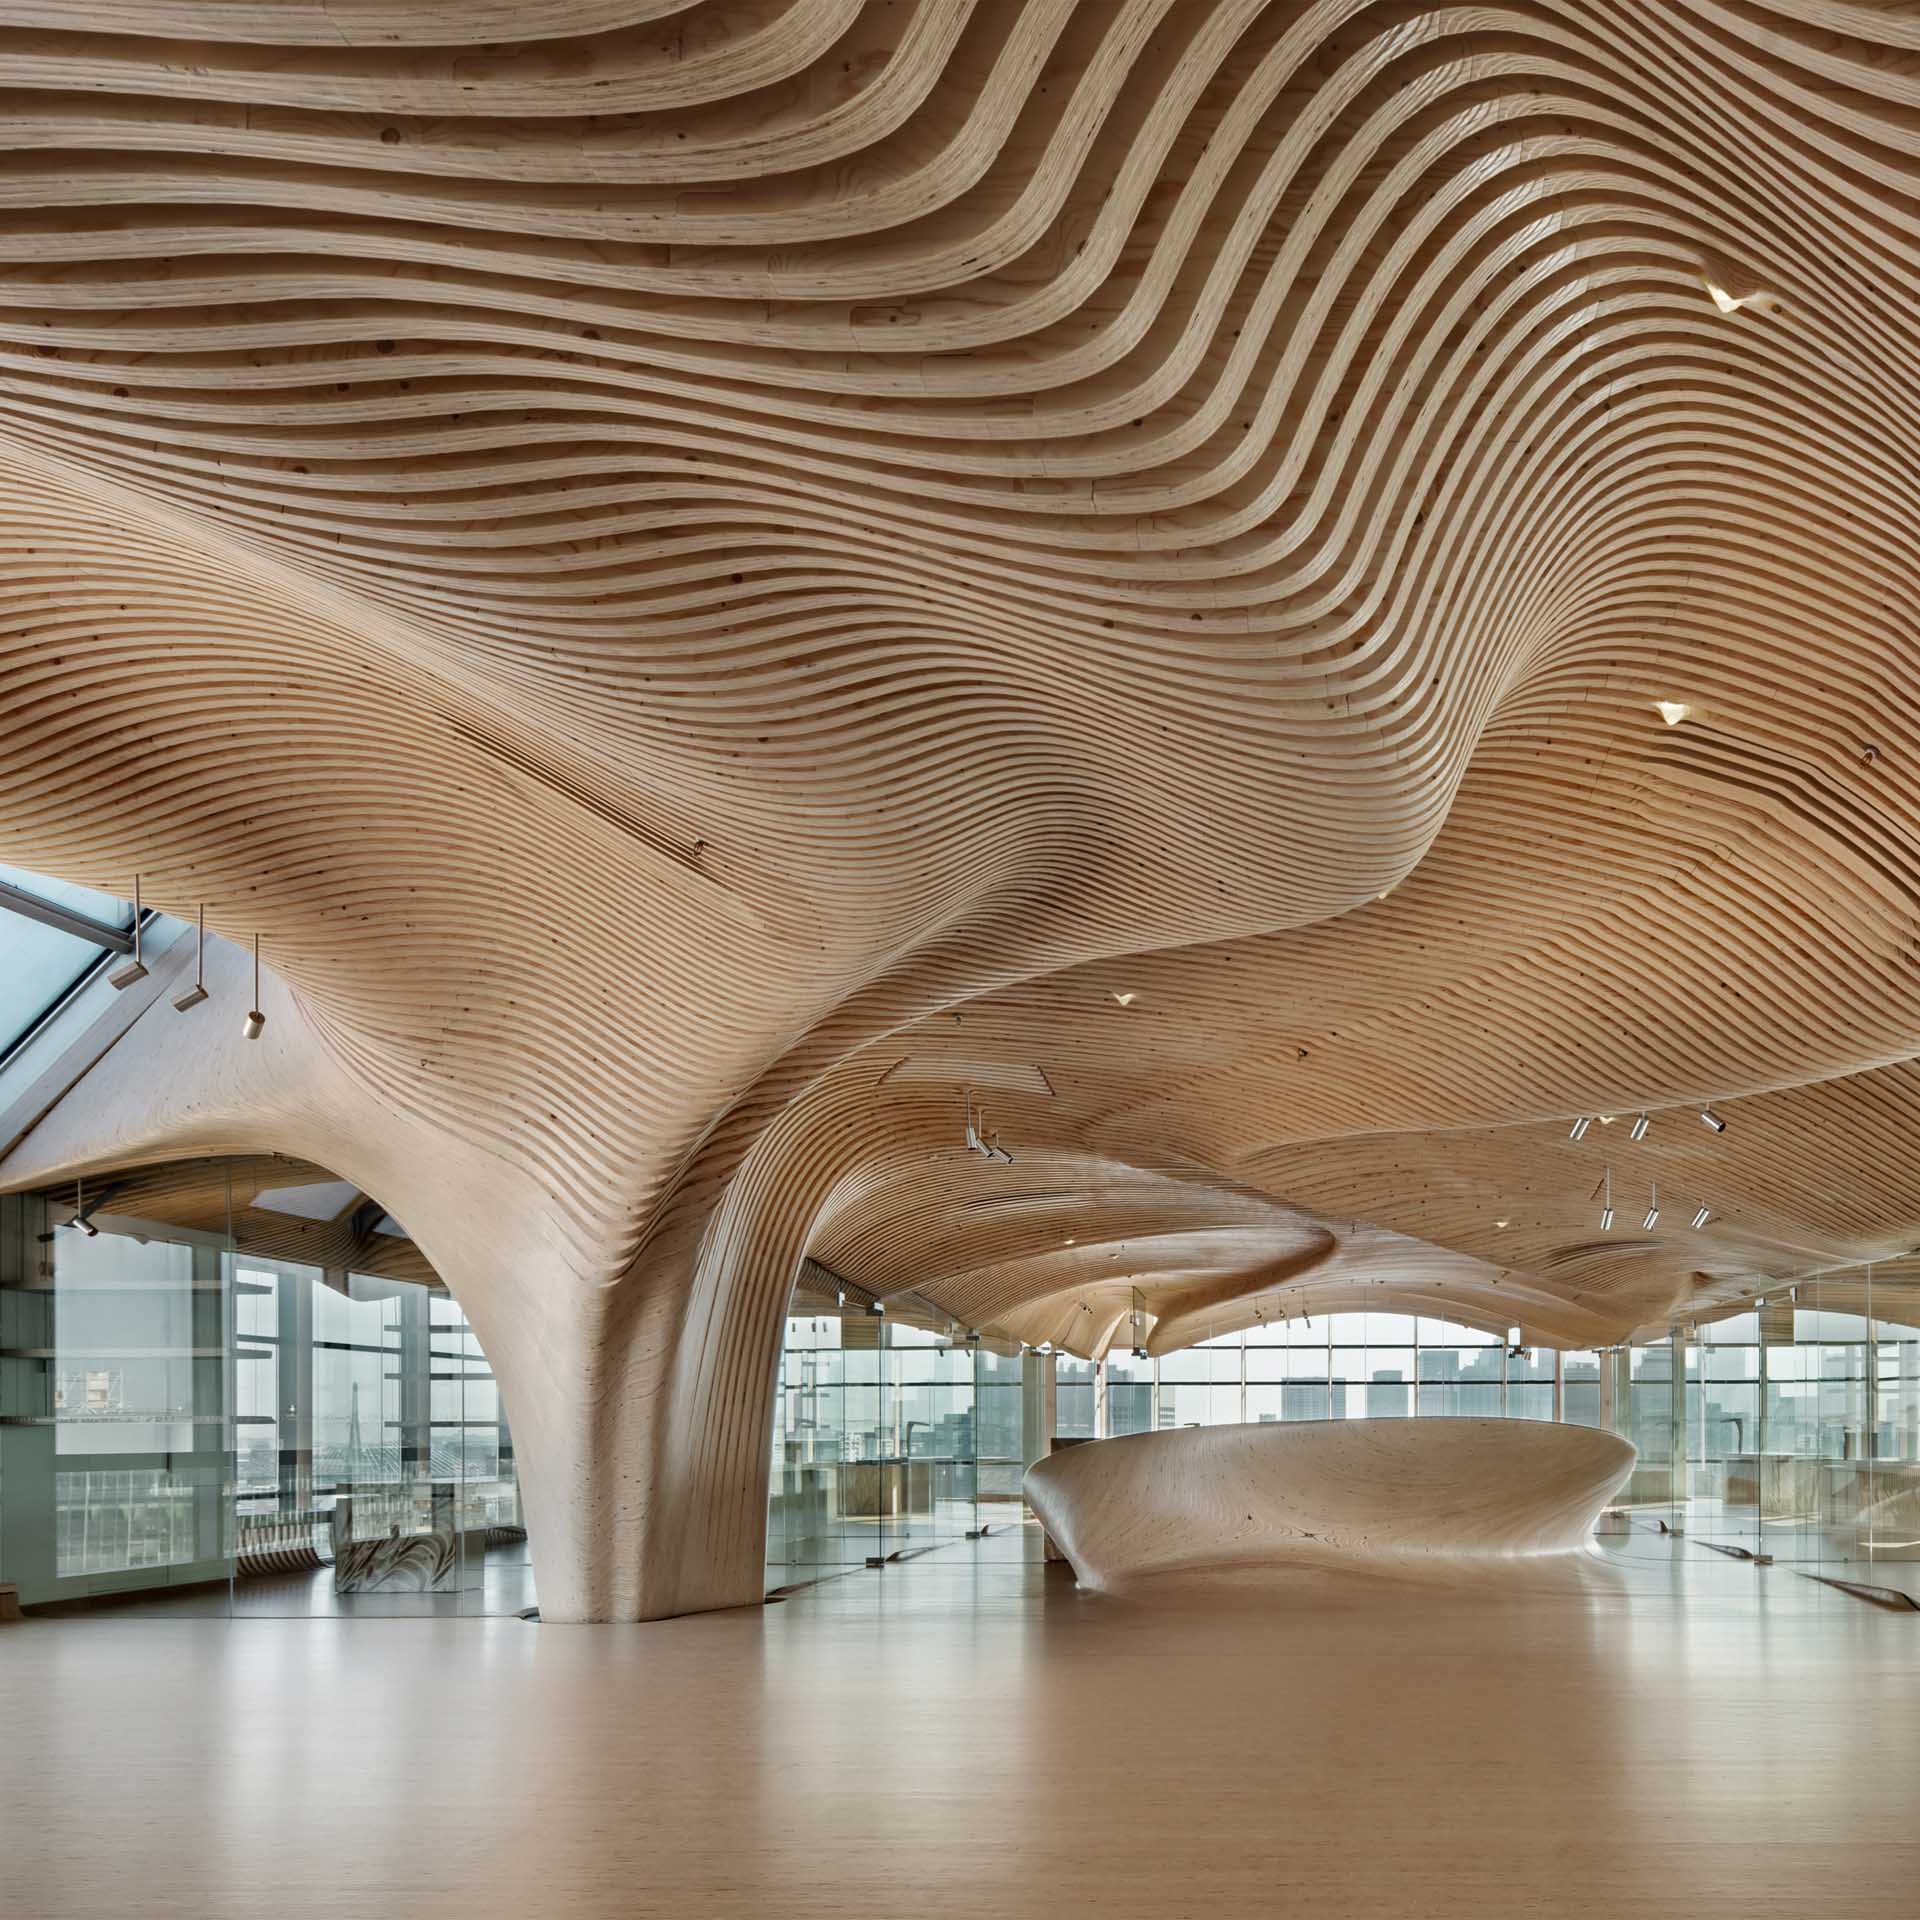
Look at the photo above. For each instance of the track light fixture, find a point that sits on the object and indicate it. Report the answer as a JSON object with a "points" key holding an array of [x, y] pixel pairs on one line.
{"points": [[1700, 1218], [1606, 1210], [1580, 1127], [1711, 1119], [134, 968], [1653, 1208], [255, 1020], [1638, 1131], [187, 1000]]}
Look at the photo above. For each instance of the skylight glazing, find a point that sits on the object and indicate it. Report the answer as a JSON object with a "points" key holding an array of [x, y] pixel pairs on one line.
{"points": [[40, 965]]}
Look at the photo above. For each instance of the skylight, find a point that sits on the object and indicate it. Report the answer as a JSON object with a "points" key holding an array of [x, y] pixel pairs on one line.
{"points": [[43, 960]]}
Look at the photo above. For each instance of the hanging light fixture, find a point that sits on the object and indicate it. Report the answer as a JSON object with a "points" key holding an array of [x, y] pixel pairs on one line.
{"points": [[135, 968], [1653, 1208], [256, 1020], [1639, 1129], [1708, 1118], [1606, 1210], [186, 1001], [80, 1219], [1700, 1218], [1580, 1127]]}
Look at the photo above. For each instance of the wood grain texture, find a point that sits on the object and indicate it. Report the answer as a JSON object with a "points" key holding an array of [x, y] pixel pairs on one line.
{"points": [[1438, 1500], [674, 559]]}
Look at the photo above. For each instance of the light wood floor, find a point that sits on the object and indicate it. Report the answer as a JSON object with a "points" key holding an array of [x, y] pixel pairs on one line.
{"points": [[966, 1734]]}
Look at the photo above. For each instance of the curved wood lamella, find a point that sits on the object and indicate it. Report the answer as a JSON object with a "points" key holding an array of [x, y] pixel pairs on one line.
{"points": [[714, 576]]}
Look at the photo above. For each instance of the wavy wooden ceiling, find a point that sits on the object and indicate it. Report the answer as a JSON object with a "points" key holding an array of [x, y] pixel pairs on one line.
{"points": [[673, 557]]}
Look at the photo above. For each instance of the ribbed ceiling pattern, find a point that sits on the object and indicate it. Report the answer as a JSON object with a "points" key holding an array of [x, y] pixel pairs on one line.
{"points": [[672, 557]]}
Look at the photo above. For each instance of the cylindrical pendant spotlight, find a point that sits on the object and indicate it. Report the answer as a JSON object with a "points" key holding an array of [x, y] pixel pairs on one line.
{"points": [[1700, 1218], [256, 1020], [1580, 1127], [191, 997], [1606, 1212], [134, 969], [1711, 1119], [1639, 1129], [1653, 1209]]}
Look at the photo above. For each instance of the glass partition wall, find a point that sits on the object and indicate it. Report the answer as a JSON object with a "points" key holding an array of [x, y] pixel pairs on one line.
{"points": [[1793, 1431], [198, 1428], [887, 1438]]}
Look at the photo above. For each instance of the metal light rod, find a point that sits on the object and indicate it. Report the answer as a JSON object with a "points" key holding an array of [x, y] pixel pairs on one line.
{"points": [[31, 907]]}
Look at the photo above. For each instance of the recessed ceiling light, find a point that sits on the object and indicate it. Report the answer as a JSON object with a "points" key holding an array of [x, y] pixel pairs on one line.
{"points": [[1499, 1223], [1124, 999], [1728, 302], [1672, 711], [1607, 1119], [1069, 1243]]}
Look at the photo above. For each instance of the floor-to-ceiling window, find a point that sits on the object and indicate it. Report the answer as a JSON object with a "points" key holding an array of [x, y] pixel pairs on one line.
{"points": [[1340, 1366], [249, 1434]]}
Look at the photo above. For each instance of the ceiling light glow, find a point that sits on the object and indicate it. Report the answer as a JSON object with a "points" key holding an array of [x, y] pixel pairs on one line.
{"points": [[1672, 711]]}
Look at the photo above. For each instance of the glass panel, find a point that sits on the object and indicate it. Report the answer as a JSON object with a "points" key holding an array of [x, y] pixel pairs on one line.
{"points": [[1073, 1398], [40, 964], [116, 1421], [244, 1433], [1580, 1387], [889, 1438]]}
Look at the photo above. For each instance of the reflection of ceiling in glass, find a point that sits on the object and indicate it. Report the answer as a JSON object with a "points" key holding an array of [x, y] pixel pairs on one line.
{"points": [[40, 964]]}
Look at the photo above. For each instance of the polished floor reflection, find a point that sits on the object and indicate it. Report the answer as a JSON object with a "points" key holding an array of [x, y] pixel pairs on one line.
{"points": [[966, 1734]]}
